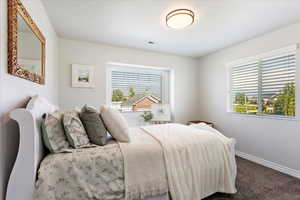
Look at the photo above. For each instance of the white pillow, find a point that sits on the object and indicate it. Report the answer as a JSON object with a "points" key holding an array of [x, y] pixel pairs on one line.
{"points": [[40, 105], [115, 124]]}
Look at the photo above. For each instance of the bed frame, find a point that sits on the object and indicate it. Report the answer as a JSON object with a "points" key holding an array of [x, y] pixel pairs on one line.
{"points": [[31, 150]]}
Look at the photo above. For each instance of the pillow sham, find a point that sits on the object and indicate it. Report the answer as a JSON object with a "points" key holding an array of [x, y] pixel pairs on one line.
{"points": [[74, 130], [53, 133], [94, 126], [115, 124]]}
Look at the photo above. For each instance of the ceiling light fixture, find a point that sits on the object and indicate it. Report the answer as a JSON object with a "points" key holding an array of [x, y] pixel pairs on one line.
{"points": [[180, 18]]}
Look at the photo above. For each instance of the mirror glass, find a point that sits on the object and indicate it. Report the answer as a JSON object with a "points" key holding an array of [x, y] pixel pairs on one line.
{"points": [[29, 48]]}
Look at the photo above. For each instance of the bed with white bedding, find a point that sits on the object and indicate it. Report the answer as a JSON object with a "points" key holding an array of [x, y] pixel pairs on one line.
{"points": [[100, 172], [185, 162]]}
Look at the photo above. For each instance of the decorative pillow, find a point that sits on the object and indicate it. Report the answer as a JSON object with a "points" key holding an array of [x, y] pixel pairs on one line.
{"points": [[115, 124], [53, 133], [74, 130], [38, 101], [94, 126]]}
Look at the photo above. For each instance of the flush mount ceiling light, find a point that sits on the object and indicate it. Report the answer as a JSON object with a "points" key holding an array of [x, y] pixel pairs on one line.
{"points": [[180, 18]]}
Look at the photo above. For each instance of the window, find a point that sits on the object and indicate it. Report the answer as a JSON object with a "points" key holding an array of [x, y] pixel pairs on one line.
{"points": [[137, 88], [265, 84]]}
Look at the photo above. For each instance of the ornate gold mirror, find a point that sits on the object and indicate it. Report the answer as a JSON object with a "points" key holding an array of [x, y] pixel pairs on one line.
{"points": [[26, 45]]}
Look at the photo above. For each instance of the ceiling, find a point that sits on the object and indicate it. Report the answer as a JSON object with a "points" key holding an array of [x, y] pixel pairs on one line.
{"points": [[132, 23]]}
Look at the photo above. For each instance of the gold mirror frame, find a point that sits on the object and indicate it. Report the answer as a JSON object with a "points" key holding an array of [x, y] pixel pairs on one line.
{"points": [[15, 7]]}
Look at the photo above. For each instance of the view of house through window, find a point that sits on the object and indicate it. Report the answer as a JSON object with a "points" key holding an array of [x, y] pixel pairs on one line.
{"points": [[135, 89], [265, 85]]}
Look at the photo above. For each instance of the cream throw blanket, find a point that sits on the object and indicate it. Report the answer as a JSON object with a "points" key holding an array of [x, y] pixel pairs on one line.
{"points": [[144, 169], [198, 162]]}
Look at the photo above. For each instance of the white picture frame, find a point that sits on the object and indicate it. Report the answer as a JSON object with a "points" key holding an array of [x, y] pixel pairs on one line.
{"points": [[83, 76]]}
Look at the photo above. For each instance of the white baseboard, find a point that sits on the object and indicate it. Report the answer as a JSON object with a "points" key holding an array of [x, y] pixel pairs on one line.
{"points": [[272, 165]]}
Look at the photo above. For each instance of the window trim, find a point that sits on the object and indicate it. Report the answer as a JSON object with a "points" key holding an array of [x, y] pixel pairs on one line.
{"points": [[167, 80], [259, 58]]}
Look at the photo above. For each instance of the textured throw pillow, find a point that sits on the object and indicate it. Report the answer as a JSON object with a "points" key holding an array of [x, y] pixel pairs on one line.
{"points": [[74, 130], [115, 124], [53, 133], [94, 126]]}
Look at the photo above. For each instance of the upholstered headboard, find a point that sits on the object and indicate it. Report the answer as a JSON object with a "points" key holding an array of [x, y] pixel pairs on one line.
{"points": [[31, 151]]}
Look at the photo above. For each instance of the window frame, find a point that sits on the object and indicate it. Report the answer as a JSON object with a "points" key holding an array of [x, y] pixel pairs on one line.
{"points": [[166, 85], [259, 58]]}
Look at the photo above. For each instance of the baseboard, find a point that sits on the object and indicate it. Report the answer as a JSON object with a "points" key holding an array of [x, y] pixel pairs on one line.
{"points": [[272, 165]]}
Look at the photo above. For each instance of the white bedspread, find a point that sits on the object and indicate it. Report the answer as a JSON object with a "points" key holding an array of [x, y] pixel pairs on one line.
{"points": [[198, 162], [133, 171], [188, 162], [144, 169]]}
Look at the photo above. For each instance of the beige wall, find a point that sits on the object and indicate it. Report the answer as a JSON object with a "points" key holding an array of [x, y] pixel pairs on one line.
{"points": [[200, 89], [13, 90], [77, 52], [271, 139]]}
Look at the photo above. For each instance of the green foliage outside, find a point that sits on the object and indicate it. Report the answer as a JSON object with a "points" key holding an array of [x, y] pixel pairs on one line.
{"points": [[285, 101], [240, 98], [131, 92], [282, 104], [242, 104], [147, 116], [117, 95], [248, 108]]}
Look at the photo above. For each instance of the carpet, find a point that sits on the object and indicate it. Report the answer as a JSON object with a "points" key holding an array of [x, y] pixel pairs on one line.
{"points": [[256, 182]]}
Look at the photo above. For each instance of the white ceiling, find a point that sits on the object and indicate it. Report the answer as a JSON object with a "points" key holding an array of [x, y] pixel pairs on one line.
{"points": [[132, 23]]}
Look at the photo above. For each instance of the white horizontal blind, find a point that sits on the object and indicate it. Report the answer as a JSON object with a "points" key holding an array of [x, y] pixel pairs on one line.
{"points": [[277, 73], [265, 84], [244, 79], [141, 82]]}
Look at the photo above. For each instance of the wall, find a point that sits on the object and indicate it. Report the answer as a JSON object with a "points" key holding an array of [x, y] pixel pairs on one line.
{"points": [[77, 52], [271, 139], [14, 91]]}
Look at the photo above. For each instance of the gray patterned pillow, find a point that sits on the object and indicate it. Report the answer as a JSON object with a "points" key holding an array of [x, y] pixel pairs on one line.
{"points": [[74, 129], [94, 126], [53, 133]]}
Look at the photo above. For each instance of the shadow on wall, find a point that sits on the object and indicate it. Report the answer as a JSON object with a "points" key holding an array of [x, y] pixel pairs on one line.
{"points": [[9, 136]]}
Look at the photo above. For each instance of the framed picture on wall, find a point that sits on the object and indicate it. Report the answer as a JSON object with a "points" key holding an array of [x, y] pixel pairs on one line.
{"points": [[83, 76]]}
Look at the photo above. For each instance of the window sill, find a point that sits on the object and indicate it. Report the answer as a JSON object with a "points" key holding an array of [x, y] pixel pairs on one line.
{"points": [[134, 111], [264, 116]]}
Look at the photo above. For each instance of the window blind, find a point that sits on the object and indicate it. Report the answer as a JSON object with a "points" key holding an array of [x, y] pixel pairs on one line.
{"points": [[244, 79], [277, 73], [265, 84], [141, 82]]}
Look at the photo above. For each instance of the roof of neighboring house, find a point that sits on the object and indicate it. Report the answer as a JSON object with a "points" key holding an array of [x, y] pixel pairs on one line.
{"points": [[139, 97]]}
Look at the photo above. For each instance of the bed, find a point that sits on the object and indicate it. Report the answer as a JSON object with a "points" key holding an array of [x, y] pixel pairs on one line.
{"points": [[180, 162]]}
